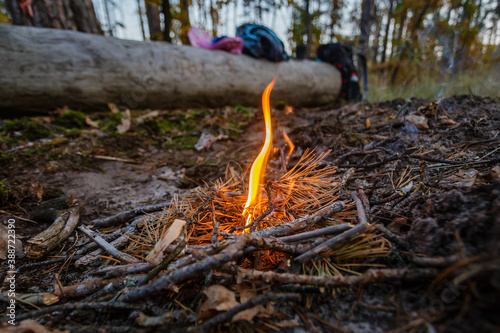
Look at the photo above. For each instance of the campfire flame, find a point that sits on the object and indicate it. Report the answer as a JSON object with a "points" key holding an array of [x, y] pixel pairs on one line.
{"points": [[259, 164], [290, 145]]}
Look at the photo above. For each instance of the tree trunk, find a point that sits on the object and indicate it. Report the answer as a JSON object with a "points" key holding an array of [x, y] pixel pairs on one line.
{"points": [[167, 17], [365, 26], [46, 69], [108, 18], [185, 23], [77, 15], [153, 15], [141, 19], [386, 34], [308, 29]]}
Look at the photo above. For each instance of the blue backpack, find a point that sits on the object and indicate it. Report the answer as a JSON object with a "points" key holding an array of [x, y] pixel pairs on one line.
{"points": [[261, 42]]}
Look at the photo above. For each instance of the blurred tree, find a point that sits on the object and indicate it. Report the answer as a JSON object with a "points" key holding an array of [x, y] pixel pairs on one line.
{"points": [[365, 26], [386, 31], [154, 23], [141, 19], [78, 15], [167, 19]]}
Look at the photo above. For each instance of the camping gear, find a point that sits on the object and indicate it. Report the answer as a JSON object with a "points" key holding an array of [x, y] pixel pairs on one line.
{"points": [[261, 42], [341, 55], [201, 38]]}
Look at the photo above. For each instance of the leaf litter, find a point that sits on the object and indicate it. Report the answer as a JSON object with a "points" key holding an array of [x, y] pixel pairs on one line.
{"points": [[425, 174]]}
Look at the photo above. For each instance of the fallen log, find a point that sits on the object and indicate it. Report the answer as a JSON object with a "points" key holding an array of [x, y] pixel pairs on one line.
{"points": [[42, 69]]}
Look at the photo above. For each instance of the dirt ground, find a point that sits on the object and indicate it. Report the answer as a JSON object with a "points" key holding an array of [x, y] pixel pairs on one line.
{"points": [[427, 172]]}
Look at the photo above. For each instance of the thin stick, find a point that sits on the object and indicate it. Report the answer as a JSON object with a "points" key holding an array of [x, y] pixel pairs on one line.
{"points": [[341, 239], [127, 215], [334, 242], [371, 276], [99, 306], [232, 252], [107, 246], [269, 210], [318, 232], [162, 265], [301, 223]]}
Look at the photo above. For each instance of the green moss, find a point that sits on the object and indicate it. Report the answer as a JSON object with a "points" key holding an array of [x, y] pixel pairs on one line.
{"points": [[182, 142], [110, 121], [71, 119], [27, 127]]}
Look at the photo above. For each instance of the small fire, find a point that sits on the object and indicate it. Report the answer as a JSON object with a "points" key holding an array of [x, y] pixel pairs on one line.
{"points": [[290, 145], [259, 164]]}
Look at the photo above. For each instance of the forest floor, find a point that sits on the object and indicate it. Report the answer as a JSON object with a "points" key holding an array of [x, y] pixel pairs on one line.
{"points": [[413, 186]]}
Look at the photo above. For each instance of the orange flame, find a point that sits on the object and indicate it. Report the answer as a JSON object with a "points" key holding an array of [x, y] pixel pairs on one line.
{"points": [[259, 164], [290, 145]]}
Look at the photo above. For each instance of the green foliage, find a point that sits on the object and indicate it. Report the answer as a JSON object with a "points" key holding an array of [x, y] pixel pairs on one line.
{"points": [[26, 128], [71, 119], [109, 122]]}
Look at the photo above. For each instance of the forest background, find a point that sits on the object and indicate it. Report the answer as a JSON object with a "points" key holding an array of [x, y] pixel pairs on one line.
{"points": [[420, 48]]}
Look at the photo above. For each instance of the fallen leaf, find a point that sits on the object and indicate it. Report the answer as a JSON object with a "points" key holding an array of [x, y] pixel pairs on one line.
{"points": [[219, 298], [156, 255], [124, 126], [368, 122], [113, 108], [91, 123], [419, 121]]}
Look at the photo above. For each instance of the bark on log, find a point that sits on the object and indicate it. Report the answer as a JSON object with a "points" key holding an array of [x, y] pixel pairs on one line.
{"points": [[42, 69]]}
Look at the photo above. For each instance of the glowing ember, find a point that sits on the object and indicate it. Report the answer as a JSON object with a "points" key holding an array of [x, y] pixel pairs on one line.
{"points": [[259, 164]]}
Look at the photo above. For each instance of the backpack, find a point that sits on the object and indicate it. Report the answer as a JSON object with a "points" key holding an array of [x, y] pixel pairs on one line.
{"points": [[341, 56], [261, 42]]}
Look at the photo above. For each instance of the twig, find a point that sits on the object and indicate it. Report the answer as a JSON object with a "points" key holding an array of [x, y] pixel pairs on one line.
{"points": [[269, 210], [360, 208], [99, 306], [334, 242], [228, 315], [216, 225], [116, 243], [233, 251], [301, 223], [341, 239], [164, 263], [436, 261], [370, 276], [84, 288], [127, 215], [392, 237], [318, 232], [107, 246]]}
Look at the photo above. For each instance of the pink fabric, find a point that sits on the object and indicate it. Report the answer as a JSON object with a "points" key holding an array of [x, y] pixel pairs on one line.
{"points": [[200, 38]]}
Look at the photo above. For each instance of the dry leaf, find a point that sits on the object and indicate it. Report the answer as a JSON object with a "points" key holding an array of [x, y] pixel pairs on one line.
{"points": [[219, 298], [91, 123], [419, 121], [156, 255], [113, 108], [248, 314], [126, 122], [368, 122]]}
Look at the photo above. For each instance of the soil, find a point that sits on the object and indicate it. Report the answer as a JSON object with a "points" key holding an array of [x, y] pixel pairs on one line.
{"points": [[429, 170]]}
